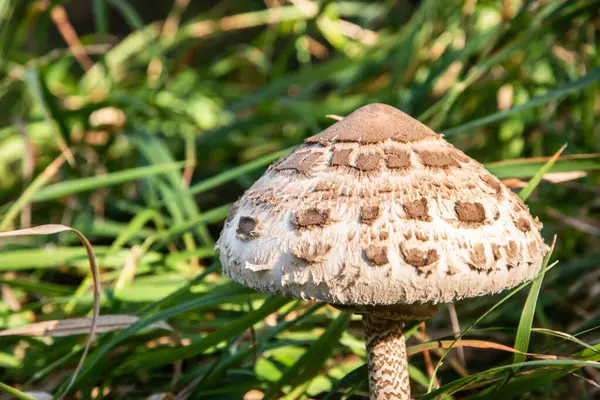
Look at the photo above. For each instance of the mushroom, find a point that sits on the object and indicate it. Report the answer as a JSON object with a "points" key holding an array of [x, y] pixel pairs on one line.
{"points": [[379, 215]]}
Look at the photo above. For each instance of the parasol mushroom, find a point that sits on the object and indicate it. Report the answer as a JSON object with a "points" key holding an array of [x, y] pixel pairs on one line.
{"points": [[379, 215]]}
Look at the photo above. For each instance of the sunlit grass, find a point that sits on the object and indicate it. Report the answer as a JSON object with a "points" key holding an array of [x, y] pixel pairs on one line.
{"points": [[144, 150]]}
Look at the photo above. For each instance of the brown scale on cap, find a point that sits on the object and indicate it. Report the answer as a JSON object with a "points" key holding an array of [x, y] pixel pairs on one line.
{"points": [[418, 258], [496, 251], [512, 250], [417, 209], [311, 217], [377, 254], [523, 225], [469, 212], [492, 183], [368, 161], [533, 247], [370, 214], [312, 252], [300, 161], [341, 157], [478, 256], [435, 159], [397, 159]]}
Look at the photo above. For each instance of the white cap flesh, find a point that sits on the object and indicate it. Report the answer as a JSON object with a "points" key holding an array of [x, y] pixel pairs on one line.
{"points": [[378, 210]]}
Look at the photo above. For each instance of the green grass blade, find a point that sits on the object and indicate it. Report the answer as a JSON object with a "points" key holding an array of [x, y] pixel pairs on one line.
{"points": [[157, 358], [313, 359], [236, 172], [14, 392], [210, 216], [532, 184], [100, 18], [30, 192], [478, 320], [39, 259], [527, 167], [460, 383], [552, 95], [73, 186], [134, 228], [526, 322], [40, 95], [217, 296], [129, 14]]}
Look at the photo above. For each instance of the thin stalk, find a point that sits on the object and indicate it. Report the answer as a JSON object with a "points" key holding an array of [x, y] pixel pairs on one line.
{"points": [[388, 361]]}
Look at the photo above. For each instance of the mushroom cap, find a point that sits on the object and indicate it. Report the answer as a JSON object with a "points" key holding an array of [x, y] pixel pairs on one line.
{"points": [[378, 209]]}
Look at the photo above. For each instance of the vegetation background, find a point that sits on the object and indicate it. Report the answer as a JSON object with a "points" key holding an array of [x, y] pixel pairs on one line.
{"points": [[138, 122]]}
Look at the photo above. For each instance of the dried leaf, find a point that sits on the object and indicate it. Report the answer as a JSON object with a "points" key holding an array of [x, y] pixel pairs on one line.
{"points": [[558, 177], [573, 222], [77, 326], [53, 229], [480, 344], [39, 395]]}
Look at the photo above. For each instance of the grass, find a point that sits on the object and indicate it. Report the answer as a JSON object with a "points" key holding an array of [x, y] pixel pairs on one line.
{"points": [[140, 133]]}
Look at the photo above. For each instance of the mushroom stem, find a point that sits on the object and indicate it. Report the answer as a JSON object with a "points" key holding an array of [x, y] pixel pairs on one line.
{"points": [[388, 361]]}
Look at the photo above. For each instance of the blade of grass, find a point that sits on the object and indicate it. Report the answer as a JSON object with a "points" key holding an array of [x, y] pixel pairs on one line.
{"points": [[479, 319], [217, 296], [14, 392], [526, 167], [160, 357], [527, 190], [30, 192], [233, 173], [313, 359], [54, 229], [555, 94], [40, 96], [526, 322], [210, 216], [129, 14], [100, 19], [73, 186], [460, 383]]}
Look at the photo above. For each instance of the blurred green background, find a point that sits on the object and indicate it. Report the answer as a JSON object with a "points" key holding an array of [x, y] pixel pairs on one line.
{"points": [[138, 122]]}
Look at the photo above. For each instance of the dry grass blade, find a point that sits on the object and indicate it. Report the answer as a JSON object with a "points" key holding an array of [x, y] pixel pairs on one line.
{"points": [[77, 326], [61, 20], [560, 177], [25, 198], [456, 330], [572, 222], [479, 344], [527, 190], [54, 229], [567, 336]]}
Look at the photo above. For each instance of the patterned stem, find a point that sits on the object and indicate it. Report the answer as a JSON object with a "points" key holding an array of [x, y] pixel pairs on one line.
{"points": [[388, 363]]}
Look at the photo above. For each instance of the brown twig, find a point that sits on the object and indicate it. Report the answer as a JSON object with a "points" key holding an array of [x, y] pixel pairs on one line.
{"points": [[456, 330], [306, 10], [427, 357], [61, 20], [190, 158], [171, 25]]}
